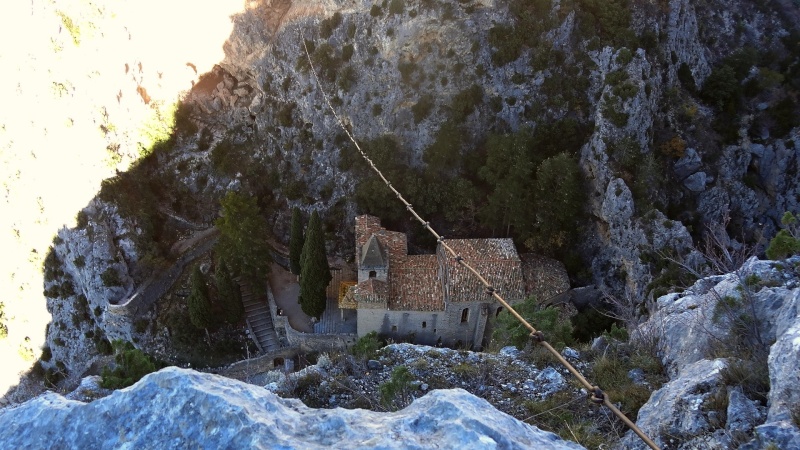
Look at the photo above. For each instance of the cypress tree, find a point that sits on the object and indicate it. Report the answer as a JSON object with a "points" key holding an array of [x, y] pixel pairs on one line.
{"points": [[315, 273], [296, 242], [199, 302], [229, 294]]}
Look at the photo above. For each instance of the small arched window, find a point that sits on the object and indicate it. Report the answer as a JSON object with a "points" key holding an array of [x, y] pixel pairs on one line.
{"points": [[464, 315], [373, 274], [499, 310]]}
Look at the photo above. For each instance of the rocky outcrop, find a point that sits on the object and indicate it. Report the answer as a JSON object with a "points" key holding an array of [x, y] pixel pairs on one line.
{"points": [[707, 402], [182, 408]]}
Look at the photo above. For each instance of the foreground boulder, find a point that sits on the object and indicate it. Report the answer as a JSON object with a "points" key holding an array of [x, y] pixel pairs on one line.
{"points": [[178, 408]]}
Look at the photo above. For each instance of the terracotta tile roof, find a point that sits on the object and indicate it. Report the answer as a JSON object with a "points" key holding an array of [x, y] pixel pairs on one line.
{"points": [[416, 285], [371, 291], [365, 227], [392, 243], [544, 277], [495, 259], [423, 282]]}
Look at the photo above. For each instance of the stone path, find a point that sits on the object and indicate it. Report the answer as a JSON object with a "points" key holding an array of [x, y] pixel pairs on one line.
{"points": [[155, 287], [285, 289], [259, 320]]}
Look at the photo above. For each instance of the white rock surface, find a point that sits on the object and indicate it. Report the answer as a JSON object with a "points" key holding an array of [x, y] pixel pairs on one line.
{"points": [[179, 408], [675, 414]]}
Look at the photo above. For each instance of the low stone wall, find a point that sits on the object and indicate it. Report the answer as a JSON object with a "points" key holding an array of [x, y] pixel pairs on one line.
{"points": [[244, 370], [310, 342]]}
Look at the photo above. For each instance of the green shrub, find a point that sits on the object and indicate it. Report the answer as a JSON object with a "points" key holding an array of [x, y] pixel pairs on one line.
{"points": [[466, 371], [347, 52], [721, 89], [110, 277], [509, 331], [507, 43], [397, 7], [624, 56], [284, 116], [397, 392], [79, 261], [375, 11], [347, 78], [612, 110], [54, 376], [325, 62], [625, 90], [406, 69], [686, 78], [465, 102], [590, 323], [132, 365], [81, 220], [422, 109], [47, 354], [52, 266], [366, 346], [140, 325], [786, 242], [327, 26]]}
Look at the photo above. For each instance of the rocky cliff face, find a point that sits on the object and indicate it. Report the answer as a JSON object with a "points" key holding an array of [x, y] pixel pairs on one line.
{"points": [[730, 346], [183, 408], [663, 156]]}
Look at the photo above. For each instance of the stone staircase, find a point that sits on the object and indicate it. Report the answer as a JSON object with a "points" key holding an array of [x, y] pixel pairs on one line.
{"points": [[259, 320]]}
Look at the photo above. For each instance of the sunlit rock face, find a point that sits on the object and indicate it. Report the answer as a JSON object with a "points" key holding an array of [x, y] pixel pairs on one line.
{"points": [[83, 86], [180, 408]]}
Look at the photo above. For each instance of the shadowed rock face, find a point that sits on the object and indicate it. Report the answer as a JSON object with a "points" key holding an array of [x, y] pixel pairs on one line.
{"points": [[178, 408]]}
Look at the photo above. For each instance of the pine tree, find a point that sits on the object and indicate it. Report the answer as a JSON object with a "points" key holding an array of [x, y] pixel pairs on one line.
{"points": [[243, 237], [315, 274], [199, 302], [229, 294], [296, 242]]}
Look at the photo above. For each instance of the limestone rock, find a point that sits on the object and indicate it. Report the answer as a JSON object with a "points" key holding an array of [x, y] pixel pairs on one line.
{"points": [[676, 410], [686, 322], [688, 164], [743, 413], [780, 434], [696, 182], [182, 408], [618, 202], [549, 381], [689, 325]]}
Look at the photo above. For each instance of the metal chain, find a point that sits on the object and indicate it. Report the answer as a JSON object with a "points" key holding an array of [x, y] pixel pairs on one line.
{"points": [[596, 394]]}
